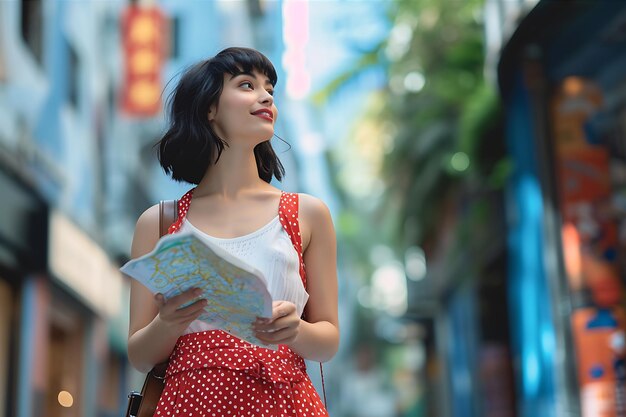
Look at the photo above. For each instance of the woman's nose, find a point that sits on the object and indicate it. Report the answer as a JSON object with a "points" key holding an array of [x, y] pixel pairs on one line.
{"points": [[267, 98]]}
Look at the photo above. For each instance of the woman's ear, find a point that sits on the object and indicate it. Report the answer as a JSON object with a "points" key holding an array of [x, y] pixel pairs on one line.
{"points": [[211, 113]]}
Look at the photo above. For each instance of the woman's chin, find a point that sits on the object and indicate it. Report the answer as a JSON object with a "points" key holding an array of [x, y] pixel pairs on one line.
{"points": [[265, 136], [257, 136]]}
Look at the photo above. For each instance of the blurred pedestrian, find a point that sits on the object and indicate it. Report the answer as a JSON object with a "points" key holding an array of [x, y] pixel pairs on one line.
{"points": [[365, 391], [222, 117]]}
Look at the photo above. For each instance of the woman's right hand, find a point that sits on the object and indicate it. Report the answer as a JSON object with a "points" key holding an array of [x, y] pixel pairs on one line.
{"points": [[177, 319]]}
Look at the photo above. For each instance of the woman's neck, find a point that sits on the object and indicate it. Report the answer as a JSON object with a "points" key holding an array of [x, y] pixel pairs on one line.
{"points": [[235, 172]]}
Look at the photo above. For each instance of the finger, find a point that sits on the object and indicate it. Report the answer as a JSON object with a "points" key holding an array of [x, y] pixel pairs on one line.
{"points": [[188, 318], [277, 312], [282, 309], [184, 297], [159, 299], [279, 324], [262, 321], [283, 336], [192, 308], [171, 314], [290, 322]]}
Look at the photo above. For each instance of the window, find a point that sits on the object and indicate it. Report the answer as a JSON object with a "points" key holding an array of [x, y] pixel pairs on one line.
{"points": [[73, 75], [255, 8], [3, 68], [6, 309], [31, 25]]}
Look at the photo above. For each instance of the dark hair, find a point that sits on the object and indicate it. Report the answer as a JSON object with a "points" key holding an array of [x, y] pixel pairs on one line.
{"points": [[190, 144]]}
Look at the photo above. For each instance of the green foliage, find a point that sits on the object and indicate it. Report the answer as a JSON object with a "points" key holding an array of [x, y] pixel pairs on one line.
{"points": [[445, 117], [455, 111], [368, 59], [480, 110]]}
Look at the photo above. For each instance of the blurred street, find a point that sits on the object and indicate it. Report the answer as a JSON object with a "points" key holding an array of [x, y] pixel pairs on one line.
{"points": [[472, 154]]}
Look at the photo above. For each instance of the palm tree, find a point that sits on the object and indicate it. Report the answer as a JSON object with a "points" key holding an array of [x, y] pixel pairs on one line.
{"points": [[437, 105]]}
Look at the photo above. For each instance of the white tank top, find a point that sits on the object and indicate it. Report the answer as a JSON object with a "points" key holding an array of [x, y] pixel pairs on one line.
{"points": [[270, 250]]}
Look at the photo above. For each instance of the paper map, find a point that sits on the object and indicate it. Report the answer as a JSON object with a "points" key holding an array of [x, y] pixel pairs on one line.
{"points": [[236, 292]]}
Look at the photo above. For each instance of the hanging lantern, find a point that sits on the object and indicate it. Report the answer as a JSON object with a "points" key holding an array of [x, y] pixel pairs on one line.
{"points": [[144, 37]]}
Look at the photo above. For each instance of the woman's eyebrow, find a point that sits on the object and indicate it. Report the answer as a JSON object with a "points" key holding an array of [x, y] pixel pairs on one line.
{"points": [[267, 80]]}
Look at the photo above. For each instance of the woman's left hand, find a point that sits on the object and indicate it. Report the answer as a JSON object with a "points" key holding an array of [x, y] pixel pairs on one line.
{"points": [[282, 328]]}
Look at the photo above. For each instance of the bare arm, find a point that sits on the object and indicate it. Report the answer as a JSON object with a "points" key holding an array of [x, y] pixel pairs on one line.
{"points": [[317, 338], [155, 323]]}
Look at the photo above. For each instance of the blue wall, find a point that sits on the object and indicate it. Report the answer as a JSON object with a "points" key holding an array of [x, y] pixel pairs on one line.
{"points": [[532, 328]]}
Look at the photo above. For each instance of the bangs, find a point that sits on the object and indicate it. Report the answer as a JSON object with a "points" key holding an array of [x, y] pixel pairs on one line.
{"points": [[237, 61]]}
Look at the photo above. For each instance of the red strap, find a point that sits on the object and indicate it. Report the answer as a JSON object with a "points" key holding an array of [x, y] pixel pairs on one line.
{"points": [[288, 213], [183, 208]]}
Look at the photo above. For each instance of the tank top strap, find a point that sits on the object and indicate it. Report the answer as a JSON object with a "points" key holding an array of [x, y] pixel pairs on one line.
{"points": [[288, 214], [183, 208]]}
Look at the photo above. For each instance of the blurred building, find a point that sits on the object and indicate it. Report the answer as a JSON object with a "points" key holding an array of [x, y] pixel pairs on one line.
{"points": [[82, 86], [561, 77], [530, 319], [64, 317]]}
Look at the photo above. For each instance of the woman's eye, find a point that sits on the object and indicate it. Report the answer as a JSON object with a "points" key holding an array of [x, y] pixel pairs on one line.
{"points": [[271, 92], [246, 83]]}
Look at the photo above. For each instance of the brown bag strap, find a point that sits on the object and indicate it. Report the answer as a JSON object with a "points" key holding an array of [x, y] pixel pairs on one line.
{"points": [[159, 370], [168, 214], [145, 404]]}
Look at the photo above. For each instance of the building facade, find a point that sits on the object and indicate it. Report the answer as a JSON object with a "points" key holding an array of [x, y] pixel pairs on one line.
{"points": [[77, 168], [561, 79]]}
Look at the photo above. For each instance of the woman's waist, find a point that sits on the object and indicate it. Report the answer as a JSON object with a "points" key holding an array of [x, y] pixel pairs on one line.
{"points": [[218, 349]]}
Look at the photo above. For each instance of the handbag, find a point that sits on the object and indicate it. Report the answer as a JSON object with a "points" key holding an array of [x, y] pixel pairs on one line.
{"points": [[144, 403]]}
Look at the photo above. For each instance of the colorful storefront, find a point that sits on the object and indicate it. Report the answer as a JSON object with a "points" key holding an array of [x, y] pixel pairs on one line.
{"points": [[22, 256], [563, 83]]}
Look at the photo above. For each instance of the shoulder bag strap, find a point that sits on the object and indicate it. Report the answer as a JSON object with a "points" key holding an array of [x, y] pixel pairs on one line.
{"points": [[145, 403], [168, 214]]}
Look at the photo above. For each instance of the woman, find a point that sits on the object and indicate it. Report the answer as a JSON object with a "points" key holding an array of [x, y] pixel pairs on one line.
{"points": [[222, 116]]}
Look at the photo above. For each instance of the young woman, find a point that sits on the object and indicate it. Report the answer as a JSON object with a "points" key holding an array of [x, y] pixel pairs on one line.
{"points": [[222, 117]]}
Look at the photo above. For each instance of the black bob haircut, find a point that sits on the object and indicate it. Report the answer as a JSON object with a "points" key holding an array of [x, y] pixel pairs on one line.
{"points": [[190, 144]]}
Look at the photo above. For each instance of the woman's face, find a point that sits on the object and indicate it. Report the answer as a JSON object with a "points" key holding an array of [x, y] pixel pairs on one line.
{"points": [[246, 110]]}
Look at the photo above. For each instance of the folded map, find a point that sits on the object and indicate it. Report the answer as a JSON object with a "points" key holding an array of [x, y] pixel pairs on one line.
{"points": [[236, 292]]}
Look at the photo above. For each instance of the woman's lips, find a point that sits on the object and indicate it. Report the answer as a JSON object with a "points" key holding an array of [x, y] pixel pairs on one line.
{"points": [[264, 115]]}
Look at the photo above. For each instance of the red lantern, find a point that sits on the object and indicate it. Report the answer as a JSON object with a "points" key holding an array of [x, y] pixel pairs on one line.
{"points": [[144, 37]]}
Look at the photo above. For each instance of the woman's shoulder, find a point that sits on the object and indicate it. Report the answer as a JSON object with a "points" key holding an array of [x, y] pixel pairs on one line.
{"points": [[315, 218], [149, 217], [313, 208], [146, 231]]}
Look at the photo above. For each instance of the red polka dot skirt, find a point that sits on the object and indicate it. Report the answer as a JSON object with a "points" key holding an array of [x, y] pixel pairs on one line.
{"points": [[213, 373]]}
